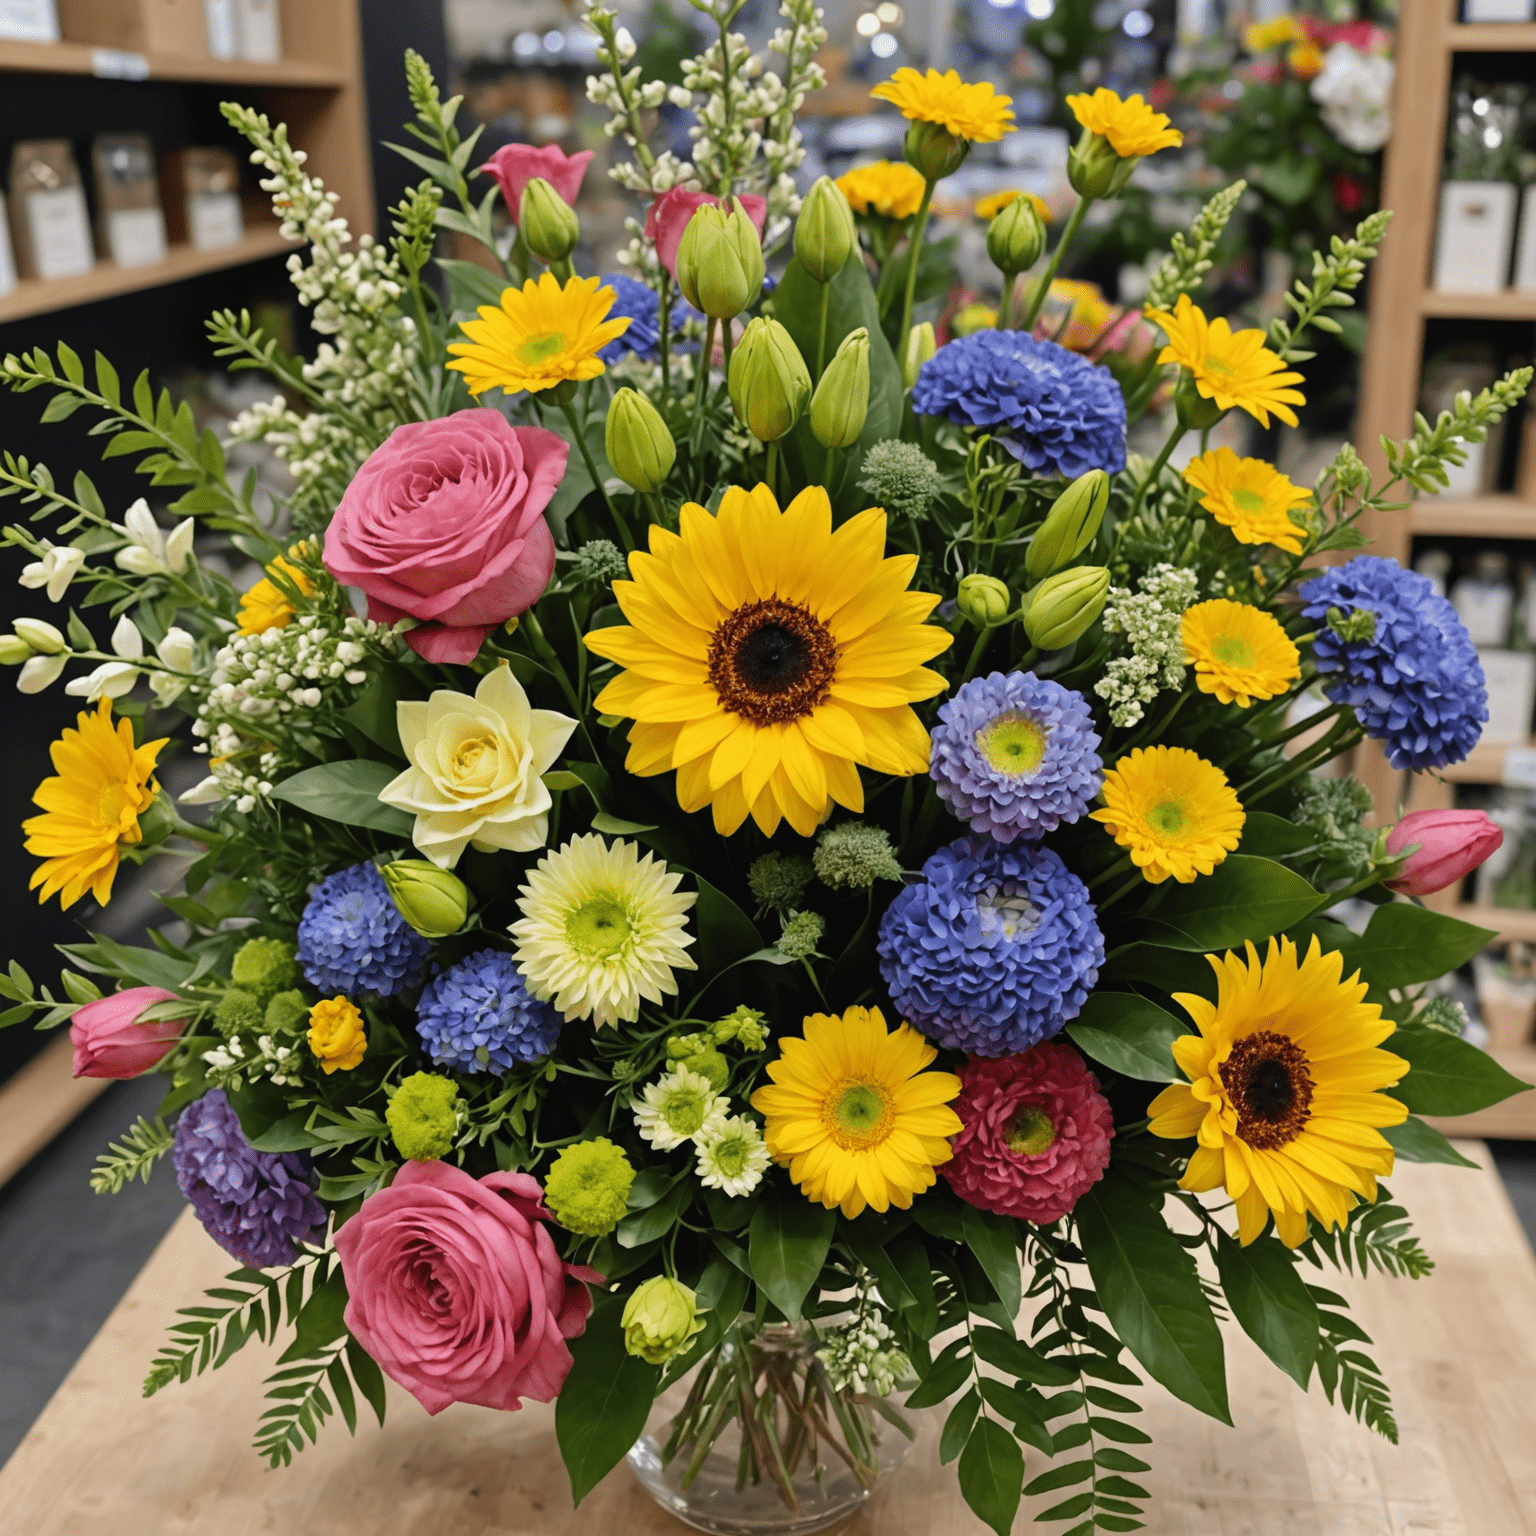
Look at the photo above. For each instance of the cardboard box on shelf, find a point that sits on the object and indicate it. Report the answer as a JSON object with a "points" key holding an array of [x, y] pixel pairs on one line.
{"points": [[1472, 246], [137, 26], [49, 225], [200, 189], [130, 225]]}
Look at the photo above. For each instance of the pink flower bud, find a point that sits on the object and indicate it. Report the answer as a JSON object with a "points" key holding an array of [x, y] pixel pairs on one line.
{"points": [[515, 165], [110, 1042], [668, 217], [1451, 844]]}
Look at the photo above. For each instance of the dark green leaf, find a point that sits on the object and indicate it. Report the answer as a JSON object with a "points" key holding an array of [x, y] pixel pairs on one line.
{"points": [[1019, 1359], [787, 1244], [945, 1379], [993, 1240], [347, 792], [1271, 1302], [1242, 898], [288, 1135], [1130, 1034], [957, 1427], [145, 966], [1272, 837], [320, 1318], [726, 933], [1060, 1477], [1416, 1142], [602, 1408], [992, 1475], [656, 1220], [341, 1386], [1446, 1075], [1404, 944]]}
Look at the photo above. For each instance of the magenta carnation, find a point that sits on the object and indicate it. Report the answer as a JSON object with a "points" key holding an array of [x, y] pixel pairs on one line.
{"points": [[1036, 1133]]}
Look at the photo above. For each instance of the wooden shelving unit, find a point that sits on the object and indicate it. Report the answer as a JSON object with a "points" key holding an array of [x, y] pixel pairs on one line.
{"points": [[1485, 517], [68, 58]]}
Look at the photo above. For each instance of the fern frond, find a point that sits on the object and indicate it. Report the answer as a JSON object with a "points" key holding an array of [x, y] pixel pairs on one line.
{"points": [[142, 1146]]}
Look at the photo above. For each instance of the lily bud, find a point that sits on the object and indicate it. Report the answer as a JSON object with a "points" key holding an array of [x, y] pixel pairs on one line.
{"points": [[548, 223], [768, 382], [1070, 526], [841, 401], [1063, 606], [825, 234], [13, 650], [720, 262], [42, 636], [920, 347], [432, 900], [1095, 170], [1016, 237], [1194, 410], [639, 446], [934, 151], [984, 600]]}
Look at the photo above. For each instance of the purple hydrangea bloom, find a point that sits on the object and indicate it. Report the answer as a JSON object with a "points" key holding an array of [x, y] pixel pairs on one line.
{"points": [[1416, 683], [1015, 755], [994, 949], [1054, 411], [353, 939], [478, 1016], [254, 1205]]}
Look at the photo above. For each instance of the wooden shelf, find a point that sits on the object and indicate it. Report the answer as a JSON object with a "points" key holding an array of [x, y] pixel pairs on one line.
{"points": [[1512, 1120], [1507, 304], [1484, 765], [1515, 925], [87, 59], [1479, 517], [1491, 37]]}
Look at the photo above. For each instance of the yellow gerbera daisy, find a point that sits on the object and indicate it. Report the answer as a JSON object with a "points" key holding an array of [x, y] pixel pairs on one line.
{"points": [[539, 336], [1229, 367], [973, 112], [768, 656], [1176, 812], [266, 605], [1239, 653], [104, 784], [1284, 1090], [989, 207], [890, 188], [853, 1113], [1133, 129], [1250, 497]]}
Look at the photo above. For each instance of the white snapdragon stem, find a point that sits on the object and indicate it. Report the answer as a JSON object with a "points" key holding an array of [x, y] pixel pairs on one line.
{"points": [[54, 571]]}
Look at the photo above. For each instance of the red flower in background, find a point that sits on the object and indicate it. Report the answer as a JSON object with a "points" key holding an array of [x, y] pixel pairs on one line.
{"points": [[669, 215]]}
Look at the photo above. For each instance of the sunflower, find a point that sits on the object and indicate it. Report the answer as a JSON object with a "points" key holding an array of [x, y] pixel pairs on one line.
{"points": [[767, 656], [973, 112], [1133, 129], [890, 188], [104, 784], [1174, 811], [853, 1113], [1284, 1090], [1250, 497], [267, 606], [989, 207], [1229, 367], [540, 336], [1239, 653]]}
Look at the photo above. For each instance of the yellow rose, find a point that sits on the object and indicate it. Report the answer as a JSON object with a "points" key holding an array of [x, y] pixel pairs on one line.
{"points": [[336, 1034]]}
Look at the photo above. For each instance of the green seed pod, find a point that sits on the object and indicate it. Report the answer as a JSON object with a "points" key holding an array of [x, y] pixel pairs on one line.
{"points": [[984, 600], [920, 347], [1063, 606], [639, 446], [1016, 237], [433, 901], [841, 401], [720, 262], [769, 382], [1070, 526], [549, 223], [934, 151], [825, 234]]}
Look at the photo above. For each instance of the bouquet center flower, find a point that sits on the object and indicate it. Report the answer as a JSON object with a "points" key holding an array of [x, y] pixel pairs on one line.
{"points": [[475, 762], [1005, 910], [1233, 651], [600, 926], [1270, 1087], [1013, 743], [771, 661], [859, 1114], [1248, 501], [1168, 817], [1032, 1132], [545, 345]]}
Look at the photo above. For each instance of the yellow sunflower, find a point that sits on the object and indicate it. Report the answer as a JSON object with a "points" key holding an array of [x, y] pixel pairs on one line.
{"points": [[1229, 367], [104, 784], [539, 336], [1174, 811], [890, 188], [266, 605], [767, 657], [1133, 129], [973, 112], [1284, 1090], [1250, 497], [1239, 653], [853, 1113], [989, 207]]}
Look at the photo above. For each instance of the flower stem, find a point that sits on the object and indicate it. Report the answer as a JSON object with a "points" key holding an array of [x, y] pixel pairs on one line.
{"points": [[771, 467], [1174, 438], [597, 479], [1005, 306], [705, 353], [666, 332], [821, 334], [1043, 287], [914, 249], [827, 468]]}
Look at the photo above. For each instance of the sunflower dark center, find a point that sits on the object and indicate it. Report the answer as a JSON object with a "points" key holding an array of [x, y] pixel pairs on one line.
{"points": [[1270, 1086], [771, 661]]}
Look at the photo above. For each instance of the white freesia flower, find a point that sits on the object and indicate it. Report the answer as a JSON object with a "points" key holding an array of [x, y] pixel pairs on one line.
{"points": [[178, 651], [1354, 90], [112, 679], [41, 672], [204, 792], [55, 570], [149, 552], [127, 642]]}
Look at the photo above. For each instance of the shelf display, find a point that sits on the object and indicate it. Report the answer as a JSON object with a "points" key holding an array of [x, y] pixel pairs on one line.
{"points": [[34, 21], [49, 224], [201, 190], [130, 223]]}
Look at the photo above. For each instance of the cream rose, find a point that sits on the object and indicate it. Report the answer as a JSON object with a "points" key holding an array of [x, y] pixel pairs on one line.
{"points": [[476, 766]]}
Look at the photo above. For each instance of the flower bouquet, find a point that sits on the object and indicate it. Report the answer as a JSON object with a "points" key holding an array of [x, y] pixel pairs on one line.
{"points": [[752, 865]]}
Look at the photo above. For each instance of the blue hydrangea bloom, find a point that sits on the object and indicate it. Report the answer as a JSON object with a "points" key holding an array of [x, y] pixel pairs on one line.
{"points": [[1015, 755], [478, 1016], [1054, 411], [994, 949], [1417, 683], [254, 1205], [353, 939], [637, 300]]}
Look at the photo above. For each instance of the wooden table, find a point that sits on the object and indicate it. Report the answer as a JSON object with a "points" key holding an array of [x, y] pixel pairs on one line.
{"points": [[1459, 1350]]}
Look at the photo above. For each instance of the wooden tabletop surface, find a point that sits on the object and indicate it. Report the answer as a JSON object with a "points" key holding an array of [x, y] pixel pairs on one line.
{"points": [[1459, 1350]]}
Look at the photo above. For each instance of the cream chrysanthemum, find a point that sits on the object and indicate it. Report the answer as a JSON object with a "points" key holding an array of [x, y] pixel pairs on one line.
{"points": [[1175, 812], [601, 929], [973, 112], [1233, 368], [1250, 497], [679, 1106], [732, 1156], [1239, 653]]}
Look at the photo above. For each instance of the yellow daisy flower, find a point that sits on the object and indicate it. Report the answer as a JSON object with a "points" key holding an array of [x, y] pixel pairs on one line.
{"points": [[336, 1034], [1250, 497], [767, 657], [266, 605], [104, 784], [973, 112], [1284, 1090], [1239, 653], [973, 317], [989, 207], [1229, 367], [890, 188], [1133, 129], [1176, 812], [853, 1113], [1075, 314], [1305, 59], [539, 336]]}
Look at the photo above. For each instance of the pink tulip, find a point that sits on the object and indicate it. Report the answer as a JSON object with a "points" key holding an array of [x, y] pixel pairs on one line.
{"points": [[110, 1042], [669, 215], [515, 165], [1451, 844]]}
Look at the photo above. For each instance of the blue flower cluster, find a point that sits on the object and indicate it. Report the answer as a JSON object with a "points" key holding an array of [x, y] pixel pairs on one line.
{"points": [[1015, 755], [1056, 412], [353, 939], [479, 1017], [994, 949], [254, 1205], [637, 300], [1416, 683]]}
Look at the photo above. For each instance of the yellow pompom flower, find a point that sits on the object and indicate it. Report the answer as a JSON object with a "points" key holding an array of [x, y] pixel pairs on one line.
{"points": [[976, 113], [890, 188], [1133, 129], [1305, 59], [336, 1034], [1233, 368], [767, 657], [989, 207], [266, 606], [92, 808], [1239, 653], [1175, 812], [1250, 497], [1284, 1090], [854, 1115], [539, 336], [1264, 35]]}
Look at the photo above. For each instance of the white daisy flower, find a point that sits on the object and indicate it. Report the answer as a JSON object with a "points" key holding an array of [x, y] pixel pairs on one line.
{"points": [[681, 1106], [732, 1157]]}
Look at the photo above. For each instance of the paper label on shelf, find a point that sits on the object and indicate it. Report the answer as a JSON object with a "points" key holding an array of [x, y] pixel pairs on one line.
{"points": [[215, 220], [223, 29], [1500, 10], [136, 236], [1519, 768], [61, 233], [118, 64], [7, 259], [30, 21], [1476, 230]]}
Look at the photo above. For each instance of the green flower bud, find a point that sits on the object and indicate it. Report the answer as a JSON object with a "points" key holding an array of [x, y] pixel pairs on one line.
{"points": [[1070, 526], [13, 650], [1063, 606], [747, 1026], [660, 1318], [1359, 625], [768, 381], [640, 449], [707, 1062], [548, 223], [1194, 410], [238, 1013], [156, 822], [264, 967], [587, 1187], [432, 900], [825, 234], [1095, 170], [841, 401], [41, 636], [1016, 237], [920, 347], [720, 262], [934, 151], [287, 1014], [984, 600], [423, 1117]]}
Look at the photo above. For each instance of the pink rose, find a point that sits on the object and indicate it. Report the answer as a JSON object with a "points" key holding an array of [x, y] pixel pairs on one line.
{"points": [[110, 1042], [444, 523], [456, 1289], [515, 165], [669, 215], [1451, 844]]}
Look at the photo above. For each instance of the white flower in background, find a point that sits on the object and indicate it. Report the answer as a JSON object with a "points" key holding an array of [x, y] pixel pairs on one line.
{"points": [[679, 1106], [112, 679], [55, 570], [732, 1156], [150, 551], [204, 792], [1354, 90], [178, 651], [41, 672]]}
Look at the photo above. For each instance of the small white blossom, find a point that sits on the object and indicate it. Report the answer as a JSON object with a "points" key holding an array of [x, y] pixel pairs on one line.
{"points": [[1149, 620], [862, 1358], [149, 552], [680, 1106], [110, 679], [127, 642], [55, 570], [732, 1156], [41, 672]]}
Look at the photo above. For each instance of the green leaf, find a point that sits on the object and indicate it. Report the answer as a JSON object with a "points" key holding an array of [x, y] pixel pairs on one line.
{"points": [[947, 1376], [146, 966], [992, 1475], [994, 1241], [726, 933], [656, 1220], [374, 711], [957, 1427], [1060, 1477], [1272, 837], [1242, 898], [1271, 1303], [614, 826], [1130, 1034], [320, 1318], [1404, 944], [347, 792], [288, 1135], [1415, 1142], [787, 1244], [602, 1408], [60, 408], [470, 285], [1447, 1076], [558, 778]]}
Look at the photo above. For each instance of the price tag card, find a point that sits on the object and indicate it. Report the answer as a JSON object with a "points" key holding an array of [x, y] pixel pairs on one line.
{"points": [[118, 64], [215, 219], [136, 236], [1519, 768], [60, 231]]}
